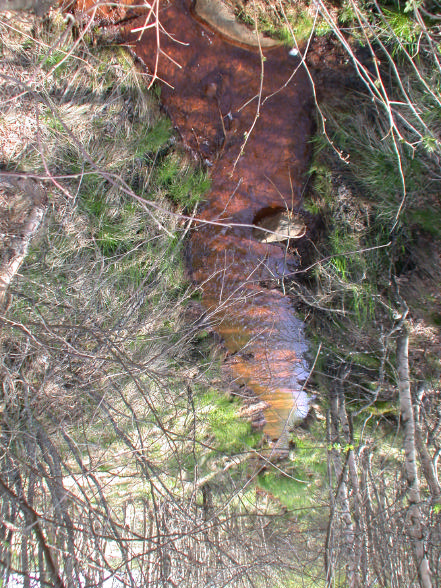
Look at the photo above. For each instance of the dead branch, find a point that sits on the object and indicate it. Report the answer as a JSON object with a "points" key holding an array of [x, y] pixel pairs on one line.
{"points": [[35, 518]]}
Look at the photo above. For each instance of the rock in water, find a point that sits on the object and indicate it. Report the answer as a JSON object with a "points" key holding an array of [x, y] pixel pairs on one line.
{"points": [[283, 224], [222, 19]]}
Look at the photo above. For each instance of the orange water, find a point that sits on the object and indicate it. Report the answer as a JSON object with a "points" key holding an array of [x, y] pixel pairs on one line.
{"points": [[213, 103]]}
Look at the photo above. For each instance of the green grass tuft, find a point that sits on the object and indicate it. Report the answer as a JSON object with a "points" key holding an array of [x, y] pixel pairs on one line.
{"points": [[231, 433]]}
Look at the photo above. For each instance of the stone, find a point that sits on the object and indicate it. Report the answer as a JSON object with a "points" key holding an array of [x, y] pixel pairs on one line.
{"points": [[221, 19], [283, 224]]}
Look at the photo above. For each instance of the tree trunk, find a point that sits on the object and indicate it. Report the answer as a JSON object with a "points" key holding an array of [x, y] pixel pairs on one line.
{"points": [[342, 495], [359, 550], [415, 522], [426, 461]]}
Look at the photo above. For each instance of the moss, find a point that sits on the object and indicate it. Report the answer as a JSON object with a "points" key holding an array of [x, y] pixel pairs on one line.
{"points": [[436, 319], [429, 219], [231, 433], [383, 408], [365, 359]]}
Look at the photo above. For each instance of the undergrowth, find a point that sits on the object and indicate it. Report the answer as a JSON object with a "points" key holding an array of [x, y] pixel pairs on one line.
{"points": [[102, 403], [281, 20], [109, 431]]}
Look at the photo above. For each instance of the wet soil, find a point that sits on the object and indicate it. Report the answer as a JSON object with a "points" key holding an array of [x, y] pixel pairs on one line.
{"points": [[248, 116]]}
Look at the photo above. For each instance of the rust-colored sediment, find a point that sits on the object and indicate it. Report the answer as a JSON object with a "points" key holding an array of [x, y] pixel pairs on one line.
{"points": [[213, 103]]}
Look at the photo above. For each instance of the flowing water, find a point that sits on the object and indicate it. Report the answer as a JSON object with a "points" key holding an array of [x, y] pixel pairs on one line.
{"points": [[213, 97]]}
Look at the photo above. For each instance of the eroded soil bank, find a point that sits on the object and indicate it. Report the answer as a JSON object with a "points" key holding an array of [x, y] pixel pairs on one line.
{"points": [[247, 115]]}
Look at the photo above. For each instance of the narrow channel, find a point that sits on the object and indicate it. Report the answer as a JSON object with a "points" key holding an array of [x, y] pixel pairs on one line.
{"points": [[213, 97]]}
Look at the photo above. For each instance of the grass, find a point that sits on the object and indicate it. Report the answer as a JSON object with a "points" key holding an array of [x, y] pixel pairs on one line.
{"points": [[301, 487], [374, 157], [372, 231], [230, 433], [84, 119], [296, 19], [361, 202], [155, 138], [401, 31], [429, 219], [183, 185]]}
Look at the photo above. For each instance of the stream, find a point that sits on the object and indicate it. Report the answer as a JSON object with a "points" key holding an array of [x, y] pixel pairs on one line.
{"points": [[219, 93]]}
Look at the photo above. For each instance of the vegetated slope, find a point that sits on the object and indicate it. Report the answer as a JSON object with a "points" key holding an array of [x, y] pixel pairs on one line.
{"points": [[374, 284], [373, 276], [119, 459]]}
